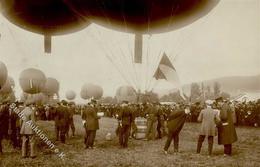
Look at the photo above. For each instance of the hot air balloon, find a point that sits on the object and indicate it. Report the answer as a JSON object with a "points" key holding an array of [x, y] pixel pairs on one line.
{"points": [[91, 91], [142, 16], [46, 17], [3, 74], [70, 95], [52, 87], [126, 93], [32, 81], [8, 86]]}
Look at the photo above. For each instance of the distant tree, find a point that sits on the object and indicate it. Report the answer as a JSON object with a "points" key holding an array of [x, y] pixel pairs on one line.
{"points": [[217, 89], [208, 93], [172, 97], [148, 97], [195, 93], [225, 95], [108, 99]]}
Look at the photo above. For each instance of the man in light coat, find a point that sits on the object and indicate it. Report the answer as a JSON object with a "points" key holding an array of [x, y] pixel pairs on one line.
{"points": [[207, 117], [27, 132]]}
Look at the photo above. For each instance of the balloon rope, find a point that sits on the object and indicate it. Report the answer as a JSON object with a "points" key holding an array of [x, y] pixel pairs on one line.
{"points": [[100, 44], [128, 44]]}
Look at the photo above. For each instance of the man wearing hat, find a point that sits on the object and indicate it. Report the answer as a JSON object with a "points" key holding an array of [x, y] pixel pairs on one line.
{"points": [[91, 125], [61, 118], [27, 132], [152, 120], [125, 118], [175, 122], [207, 117], [226, 130]]}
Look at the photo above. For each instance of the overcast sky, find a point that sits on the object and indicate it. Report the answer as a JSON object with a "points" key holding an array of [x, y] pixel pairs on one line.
{"points": [[226, 42]]}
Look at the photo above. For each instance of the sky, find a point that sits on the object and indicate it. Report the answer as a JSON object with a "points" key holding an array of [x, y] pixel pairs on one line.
{"points": [[226, 42]]}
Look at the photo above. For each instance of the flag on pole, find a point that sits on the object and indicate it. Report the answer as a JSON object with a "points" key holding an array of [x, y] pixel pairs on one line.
{"points": [[167, 71]]}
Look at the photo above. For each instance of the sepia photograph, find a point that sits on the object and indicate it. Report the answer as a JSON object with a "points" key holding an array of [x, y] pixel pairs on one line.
{"points": [[129, 83]]}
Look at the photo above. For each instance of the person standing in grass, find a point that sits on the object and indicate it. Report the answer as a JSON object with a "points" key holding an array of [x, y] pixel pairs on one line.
{"points": [[125, 118], [226, 130], [91, 124], [175, 122], [208, 118], [27, 132], [4, 116]]}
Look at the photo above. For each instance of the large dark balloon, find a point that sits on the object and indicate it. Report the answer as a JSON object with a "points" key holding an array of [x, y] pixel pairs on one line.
{"points": [[143, 16], [91, 91], [3, 74], [47, 17], [52, 86], [32, 81]]}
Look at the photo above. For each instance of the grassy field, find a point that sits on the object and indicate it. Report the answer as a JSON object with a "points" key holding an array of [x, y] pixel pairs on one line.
{"points": [[140, 153]]}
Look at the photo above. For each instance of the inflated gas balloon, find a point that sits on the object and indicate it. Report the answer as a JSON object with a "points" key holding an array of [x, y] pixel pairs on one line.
{"points": [[91, 91], [143, 16], [7, 87], [47, 17], [70, 95], [32, 81], [126, 93], [3, 74], [52, 87]]}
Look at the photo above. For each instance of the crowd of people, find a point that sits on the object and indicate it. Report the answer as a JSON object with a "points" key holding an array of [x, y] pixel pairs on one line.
{"points": [[162, 120]]}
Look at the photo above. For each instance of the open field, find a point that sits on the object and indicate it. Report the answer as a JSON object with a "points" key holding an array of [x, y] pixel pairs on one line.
{"points": [[140, 153]]}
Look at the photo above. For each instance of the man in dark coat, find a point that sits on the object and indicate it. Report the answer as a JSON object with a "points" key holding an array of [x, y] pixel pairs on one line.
{"points": [[125, 118], [61, 121], [4, 116], [152, 121], [91, 124], [72, 110], [175, 122], [226, 130]]}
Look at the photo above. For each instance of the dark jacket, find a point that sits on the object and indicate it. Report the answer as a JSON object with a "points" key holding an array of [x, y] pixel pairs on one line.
{"points": [[226, 131], [126, 116], [61, 116], [91, 118], [176, 120], [4, 117]]}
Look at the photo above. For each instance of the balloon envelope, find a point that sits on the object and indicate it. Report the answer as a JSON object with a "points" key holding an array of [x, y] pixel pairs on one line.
{"points": [[7, 87], [70, 95], [91, 91], [126, 93], [52, 86], [48, 17], [3, 74], [143, 16], [32, 81]]}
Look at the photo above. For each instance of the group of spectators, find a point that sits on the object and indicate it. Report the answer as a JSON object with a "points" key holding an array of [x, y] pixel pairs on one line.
{"points": [[158, 120]]}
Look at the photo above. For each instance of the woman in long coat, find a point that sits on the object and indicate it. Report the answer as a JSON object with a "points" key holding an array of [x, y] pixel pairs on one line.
{"points": [[226, 131]]}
